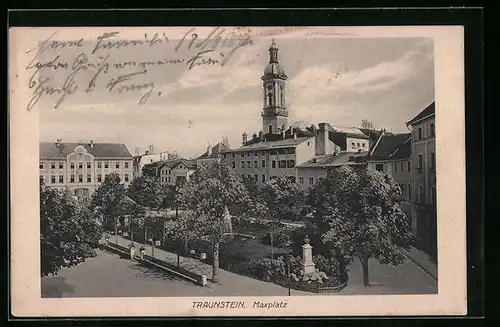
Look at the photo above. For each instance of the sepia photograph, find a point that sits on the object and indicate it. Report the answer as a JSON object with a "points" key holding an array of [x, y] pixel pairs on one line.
{"points": [[212, 164]]}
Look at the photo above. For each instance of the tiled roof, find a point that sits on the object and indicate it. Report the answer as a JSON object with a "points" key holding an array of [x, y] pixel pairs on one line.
{"points": [[190, 164], [290, 142], [216, 149], [332, 160], [388, 144], [430, 110], [98, 150]]}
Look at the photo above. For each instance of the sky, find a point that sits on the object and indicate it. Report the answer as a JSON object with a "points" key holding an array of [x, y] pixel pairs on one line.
{"points": [[339, 80]]}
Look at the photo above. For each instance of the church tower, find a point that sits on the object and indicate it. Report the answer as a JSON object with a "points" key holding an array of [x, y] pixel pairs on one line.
{"points": [[274, 112]]}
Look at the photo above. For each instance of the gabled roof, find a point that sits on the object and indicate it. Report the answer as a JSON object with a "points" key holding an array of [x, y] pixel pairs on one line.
{"points": [[392, 146], [427, 112], [190, 164], [216, 149], [332, 160], [49, 150]]}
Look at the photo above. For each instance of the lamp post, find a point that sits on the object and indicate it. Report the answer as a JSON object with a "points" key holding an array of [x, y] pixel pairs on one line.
{"points": [[288, 245]]}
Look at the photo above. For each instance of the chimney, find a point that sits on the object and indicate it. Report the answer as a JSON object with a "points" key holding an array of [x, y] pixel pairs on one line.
{"points": [[137, 151], [225, 141], [261, 136], [254, 136], [91, 144], [244, 137], [313, 129], [294, 135], [322, 140], [151, 149], [283, 134], [209, 150], [58, 142]]}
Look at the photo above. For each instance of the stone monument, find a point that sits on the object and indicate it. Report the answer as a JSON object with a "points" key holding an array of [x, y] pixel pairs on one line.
{"points": [[307, 262]]}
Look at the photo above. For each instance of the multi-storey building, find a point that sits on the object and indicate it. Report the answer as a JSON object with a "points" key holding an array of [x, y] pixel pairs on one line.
{"points": [[392, 154], [297, 152], [176, 172], [82, 167], [213, 153], [149, 157], [423, 158]]}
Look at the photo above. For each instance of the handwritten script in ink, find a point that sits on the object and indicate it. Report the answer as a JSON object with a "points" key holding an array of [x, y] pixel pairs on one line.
{"points": [[111, 65]]}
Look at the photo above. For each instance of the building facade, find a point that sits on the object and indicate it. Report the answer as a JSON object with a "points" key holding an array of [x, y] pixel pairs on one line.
{"points": [[176, 172], [82, 167], [423, 160], [213, 153], [392, 154]]}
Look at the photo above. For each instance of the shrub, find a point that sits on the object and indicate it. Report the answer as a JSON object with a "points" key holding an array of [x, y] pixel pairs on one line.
{"points": [[267, 269], [329, 266], [281, 238]]}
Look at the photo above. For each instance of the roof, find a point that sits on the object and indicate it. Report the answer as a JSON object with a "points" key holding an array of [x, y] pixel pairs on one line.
{"points": [[429, 111], [332, 160], [153, 165], [216, 149], [389, 144], [98, 150], [283, 143], [190, 164]]}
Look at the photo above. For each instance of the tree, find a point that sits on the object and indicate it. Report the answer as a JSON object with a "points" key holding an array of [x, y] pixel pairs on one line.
{"points": [[146, 191], [255, 203], [359, 215], [212, 188], [69, 232], [109, 197], [283, 199]]}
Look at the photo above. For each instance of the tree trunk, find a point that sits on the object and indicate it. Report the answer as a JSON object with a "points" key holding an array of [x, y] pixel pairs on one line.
{"points": [[272, 244], [176, 211], [185, 246], [364, 265], [215, 264]]}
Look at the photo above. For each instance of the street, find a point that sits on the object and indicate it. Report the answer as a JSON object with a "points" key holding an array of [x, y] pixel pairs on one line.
{"points": [[108, 275]]}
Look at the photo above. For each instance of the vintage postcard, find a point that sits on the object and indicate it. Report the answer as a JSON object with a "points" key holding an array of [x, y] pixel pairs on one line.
{"points": [[237, 171]]}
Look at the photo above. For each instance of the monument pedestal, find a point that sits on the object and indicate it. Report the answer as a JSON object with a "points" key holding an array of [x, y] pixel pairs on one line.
{"points": [[307, 262]]}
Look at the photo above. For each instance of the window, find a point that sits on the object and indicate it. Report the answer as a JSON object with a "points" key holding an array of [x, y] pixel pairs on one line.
{"points": [[61, 179], [301, 180], [99, 178], [402, 166], [420, 193], [353, 144], [273, 163], [263, 178], [255, 154], [126, 178], [80, 165], [409, 192], [233, 164], [263, 163], [61, 165], [290, 150], [395, 166], [126, 164], [282, 164], [281, 151], [273, 152], [242, 164], [52, 165], [89, 165], [409, 166], [291, 163], [420, 161], [99, 164], [431, 129], [249, 164], [117, 165], [89, 178], [363, 144], [256, 177], [420, 133], [432, 161], [225, 156], [379, 167], [106, 164], [255, 164], [41, 165], [263, 153], [311, 180], [162, 179], [41, 178], [243, 154], [80, 178], [72, 179], [358, 145], [72, 165], [52, 179]]}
